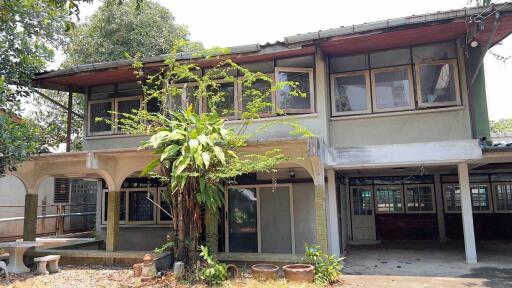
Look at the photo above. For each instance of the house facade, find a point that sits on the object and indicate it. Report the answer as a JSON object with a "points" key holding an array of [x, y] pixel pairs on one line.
{"points": [[397, 107]]}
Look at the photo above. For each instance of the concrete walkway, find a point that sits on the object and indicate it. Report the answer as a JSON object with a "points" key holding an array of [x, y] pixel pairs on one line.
{"points": [[428, 265]]}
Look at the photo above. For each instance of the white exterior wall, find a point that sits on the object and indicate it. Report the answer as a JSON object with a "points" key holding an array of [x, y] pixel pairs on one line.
{"points": [[12, 193]]}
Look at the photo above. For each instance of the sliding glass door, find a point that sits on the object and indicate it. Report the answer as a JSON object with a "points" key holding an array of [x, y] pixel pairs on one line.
{"points": [[242, 220], [260, 219]]}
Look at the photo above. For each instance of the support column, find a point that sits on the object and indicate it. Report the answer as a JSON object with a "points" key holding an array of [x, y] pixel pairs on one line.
{"points": [[68, 121], [212, 234], [467, 214], [320, 215], [30, 217], [332, 211], [114, 203], [440, 208]]}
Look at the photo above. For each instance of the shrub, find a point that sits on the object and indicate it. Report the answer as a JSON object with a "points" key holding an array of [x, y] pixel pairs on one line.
{"points": [[327, 268], [214, 273]]}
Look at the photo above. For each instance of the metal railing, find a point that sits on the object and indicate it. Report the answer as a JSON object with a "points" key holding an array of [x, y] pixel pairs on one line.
{"points": [[55, 219]]}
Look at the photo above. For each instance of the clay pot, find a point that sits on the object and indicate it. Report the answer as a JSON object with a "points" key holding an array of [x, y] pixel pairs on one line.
{"points": [[233, 271], [299, 272], [137, 270], [264, 271]]}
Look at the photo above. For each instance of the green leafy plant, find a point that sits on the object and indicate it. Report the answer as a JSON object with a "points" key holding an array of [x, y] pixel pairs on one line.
{"points": [[214, 273], [165, 247], [327, 268]]}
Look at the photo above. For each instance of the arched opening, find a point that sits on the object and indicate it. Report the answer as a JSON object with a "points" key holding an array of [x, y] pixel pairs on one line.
{"points": [[144, 219]]}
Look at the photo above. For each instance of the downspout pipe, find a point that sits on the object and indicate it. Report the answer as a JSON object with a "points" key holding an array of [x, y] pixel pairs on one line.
{"points": [[487, 46]]}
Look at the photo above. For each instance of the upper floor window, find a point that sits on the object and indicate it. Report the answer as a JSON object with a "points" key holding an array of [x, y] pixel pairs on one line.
{"points": [[384, 81], [289, 101], [102, 100]]}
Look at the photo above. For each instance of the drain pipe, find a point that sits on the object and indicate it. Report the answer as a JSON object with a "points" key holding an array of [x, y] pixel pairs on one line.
{"points": [[487, 46]]}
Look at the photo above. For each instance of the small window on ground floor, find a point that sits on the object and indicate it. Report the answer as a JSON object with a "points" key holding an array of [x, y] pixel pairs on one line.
{"points": [[420, 198], [140, 208], [388, 199], [165, 207], [503, 197], [122, 209], [480, 197]]}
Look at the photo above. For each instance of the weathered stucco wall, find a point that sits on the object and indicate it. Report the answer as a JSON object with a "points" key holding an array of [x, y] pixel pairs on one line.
{"points": [[12, 193], [416, 127]]}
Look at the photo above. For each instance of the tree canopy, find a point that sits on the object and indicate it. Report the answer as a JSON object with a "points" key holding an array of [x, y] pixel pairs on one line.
{"points": [[500, 126], [132, 27]]}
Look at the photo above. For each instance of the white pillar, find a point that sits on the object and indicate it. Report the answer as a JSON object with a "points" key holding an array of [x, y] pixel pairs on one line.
{"points": [[332, 214], [467, 214]]}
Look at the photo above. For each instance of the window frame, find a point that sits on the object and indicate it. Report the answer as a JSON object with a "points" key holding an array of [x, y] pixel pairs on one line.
{"points": [[366, 74], [184, 98], [489, 192], [103, 207], [131, 190], [408, 68], [240, 95], [258, 214], [235, 96], [158, 220], [310, 72], [89, 120], [495, 196], [376, 200], [453, 62], [432, 188], [117, 130]]}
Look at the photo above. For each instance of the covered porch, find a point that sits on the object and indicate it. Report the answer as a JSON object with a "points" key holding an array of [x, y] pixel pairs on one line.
{"points": [[413, 192], [128, 222]]}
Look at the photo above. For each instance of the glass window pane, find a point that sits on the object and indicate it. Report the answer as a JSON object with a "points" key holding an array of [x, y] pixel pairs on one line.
{"points": [[348, 63], [126, 107], [350, 93], [242, 220], [503, 197], [289, 101], [122, 208], [362, 201], [452, 198], [389, 58], [165, 206], [192, 98], [419, 198], [388, 199], [480, 197], [307, 61], [139, 207], [254, 97], [437, 83], [392, 89], [102, 111], [153, 105], [225, 103], [437, 51]]}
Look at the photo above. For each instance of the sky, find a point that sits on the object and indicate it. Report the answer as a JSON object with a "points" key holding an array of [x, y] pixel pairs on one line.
{"points": [[236, 22]]}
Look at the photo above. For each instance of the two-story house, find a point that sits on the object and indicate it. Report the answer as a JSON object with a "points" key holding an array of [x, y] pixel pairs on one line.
{"points": [[397, 107]]}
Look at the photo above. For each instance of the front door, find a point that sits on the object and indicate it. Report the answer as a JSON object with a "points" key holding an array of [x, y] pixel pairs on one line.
{"points": [[363, 214]]}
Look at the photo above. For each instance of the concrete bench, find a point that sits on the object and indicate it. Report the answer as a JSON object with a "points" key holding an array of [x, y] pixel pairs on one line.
{"points": [[4, 268], [53, 264]]}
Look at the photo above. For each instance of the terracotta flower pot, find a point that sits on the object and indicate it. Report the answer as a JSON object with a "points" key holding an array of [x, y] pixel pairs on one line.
{"points": [[137, 270], [299, 272], [264, 271]]}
